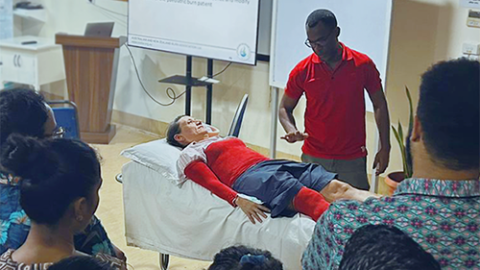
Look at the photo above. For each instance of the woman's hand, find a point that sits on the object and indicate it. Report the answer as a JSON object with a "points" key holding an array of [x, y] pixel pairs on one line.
{"points": [[119, 253], [252, 210]]}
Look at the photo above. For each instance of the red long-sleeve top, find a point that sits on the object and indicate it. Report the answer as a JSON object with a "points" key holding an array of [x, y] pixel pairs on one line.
{"points": [[226, 161]]}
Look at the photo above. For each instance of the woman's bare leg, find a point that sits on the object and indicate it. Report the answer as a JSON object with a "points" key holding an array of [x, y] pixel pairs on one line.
{"points": [[337, 190]]}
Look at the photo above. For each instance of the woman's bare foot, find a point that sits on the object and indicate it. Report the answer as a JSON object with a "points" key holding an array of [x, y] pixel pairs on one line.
{"points": [[337, 190]]}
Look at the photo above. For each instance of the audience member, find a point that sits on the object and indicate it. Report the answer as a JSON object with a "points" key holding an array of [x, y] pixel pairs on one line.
{"points": [[80, 263], [22, 111], [439, 207], [244, 258], [58, 192]]}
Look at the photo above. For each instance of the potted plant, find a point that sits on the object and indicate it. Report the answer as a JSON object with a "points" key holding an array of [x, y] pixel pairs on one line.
{"points": [[393, 179]]}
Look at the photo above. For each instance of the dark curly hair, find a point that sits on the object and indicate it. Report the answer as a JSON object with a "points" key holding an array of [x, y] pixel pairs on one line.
{"points": [[54, 173], [382, 247], [243, 258], [448, 111], [22, 111]]}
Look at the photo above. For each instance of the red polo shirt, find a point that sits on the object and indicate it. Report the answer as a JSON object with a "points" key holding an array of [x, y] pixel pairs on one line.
{"points": [[335, 111]]}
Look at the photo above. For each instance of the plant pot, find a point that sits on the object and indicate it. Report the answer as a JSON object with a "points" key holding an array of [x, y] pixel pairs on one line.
{"points": [[392, 180]]}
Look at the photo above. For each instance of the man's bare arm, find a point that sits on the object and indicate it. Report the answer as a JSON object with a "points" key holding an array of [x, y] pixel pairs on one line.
{"points": [[285, 113], [382, 119]]}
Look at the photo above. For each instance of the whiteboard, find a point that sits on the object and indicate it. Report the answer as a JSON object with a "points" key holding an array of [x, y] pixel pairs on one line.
{"points": [[6, 19], [364, 24], [216, 29], [264, 27]]}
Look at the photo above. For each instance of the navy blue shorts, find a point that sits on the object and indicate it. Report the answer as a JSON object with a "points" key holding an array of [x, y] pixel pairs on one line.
{"points": [[276, 182]]}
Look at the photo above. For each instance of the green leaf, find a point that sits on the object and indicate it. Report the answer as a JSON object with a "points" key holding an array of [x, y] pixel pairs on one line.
{"points": [[399, 135], [401, 146], [410, 104]]}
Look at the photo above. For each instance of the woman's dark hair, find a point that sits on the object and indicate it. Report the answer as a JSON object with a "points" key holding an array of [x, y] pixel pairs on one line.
{"points": [[22, 111], [81, 263], [54, 173], [174, 129], [324, 16], [243, 258], [448, 111]]}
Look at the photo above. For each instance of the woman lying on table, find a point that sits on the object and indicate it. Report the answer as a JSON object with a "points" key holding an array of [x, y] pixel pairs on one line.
{"points": [[231, 170]]}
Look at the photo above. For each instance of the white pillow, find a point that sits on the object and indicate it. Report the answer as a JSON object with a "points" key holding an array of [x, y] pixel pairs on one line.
{"points": [[157, 155]]}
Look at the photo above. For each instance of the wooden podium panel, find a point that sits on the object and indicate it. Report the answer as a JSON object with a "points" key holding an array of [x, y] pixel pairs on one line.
{"points": [[89, 62]]}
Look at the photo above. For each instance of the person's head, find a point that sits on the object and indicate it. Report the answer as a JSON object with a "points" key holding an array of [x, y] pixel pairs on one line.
{"points": [[80, 263], [184, 130], [322, 33], [60, 179], [381, 247], [446, 127], [25, 112], [243, 258]]}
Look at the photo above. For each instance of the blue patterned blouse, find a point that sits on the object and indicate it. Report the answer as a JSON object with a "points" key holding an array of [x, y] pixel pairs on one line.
{"points": [[442, 216]]}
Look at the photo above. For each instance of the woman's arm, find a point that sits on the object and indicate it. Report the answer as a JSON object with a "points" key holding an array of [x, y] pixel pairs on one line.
{"points": [[201, 174]]}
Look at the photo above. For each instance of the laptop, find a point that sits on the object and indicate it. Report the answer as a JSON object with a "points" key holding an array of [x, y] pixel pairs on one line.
{"points": [[99, 29]]}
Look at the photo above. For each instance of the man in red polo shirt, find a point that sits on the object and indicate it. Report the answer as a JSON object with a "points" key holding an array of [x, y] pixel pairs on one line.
{"points": [[333, 79]]}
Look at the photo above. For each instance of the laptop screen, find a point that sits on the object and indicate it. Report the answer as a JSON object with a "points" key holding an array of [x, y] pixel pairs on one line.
{"points": [[99, 29]]}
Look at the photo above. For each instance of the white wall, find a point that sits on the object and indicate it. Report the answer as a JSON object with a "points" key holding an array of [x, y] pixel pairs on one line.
{"points": [[423, 32]]}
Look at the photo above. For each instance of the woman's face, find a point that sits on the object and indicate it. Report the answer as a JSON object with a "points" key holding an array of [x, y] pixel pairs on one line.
{"points": [[192, 130], [95, 197], [92, 203]]}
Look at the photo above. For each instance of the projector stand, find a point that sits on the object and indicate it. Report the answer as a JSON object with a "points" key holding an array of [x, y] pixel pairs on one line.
{"points": [[190, 82]]}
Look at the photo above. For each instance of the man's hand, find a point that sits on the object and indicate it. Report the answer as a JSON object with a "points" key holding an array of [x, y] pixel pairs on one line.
{"points": [[252, 210], [294, 136], [381, 160]]}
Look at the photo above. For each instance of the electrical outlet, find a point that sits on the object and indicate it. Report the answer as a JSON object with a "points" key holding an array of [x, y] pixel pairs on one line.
{"points": [[473, 19], [470, 49]]}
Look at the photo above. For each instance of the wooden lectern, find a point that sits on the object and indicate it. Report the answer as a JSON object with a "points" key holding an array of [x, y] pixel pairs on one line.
{"points": [[90, 67]]}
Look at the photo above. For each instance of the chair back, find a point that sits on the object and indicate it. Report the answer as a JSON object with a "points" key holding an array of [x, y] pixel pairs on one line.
{"points": [[66, 117], [238, 117]]}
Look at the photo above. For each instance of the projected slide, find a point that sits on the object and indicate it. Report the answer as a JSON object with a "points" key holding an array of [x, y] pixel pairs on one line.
{"points": [[216, 29]]}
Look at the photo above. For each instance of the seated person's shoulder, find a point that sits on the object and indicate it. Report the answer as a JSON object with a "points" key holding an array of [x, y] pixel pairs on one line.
{"points": [[6, 256], [342, 209]]}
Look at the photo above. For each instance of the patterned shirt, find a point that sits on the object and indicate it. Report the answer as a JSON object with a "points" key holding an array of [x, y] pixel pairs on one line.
{"points": [[7, 263], [442, 216]]}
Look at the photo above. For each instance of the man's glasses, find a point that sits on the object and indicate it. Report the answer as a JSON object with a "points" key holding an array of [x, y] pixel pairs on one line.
{"points": [[57, 133], [319, 42]]}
